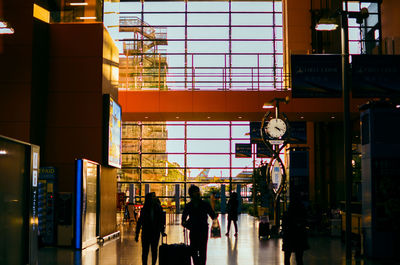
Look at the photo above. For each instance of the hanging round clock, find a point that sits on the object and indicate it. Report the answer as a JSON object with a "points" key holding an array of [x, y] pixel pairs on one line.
{"points": [[276, 128]]}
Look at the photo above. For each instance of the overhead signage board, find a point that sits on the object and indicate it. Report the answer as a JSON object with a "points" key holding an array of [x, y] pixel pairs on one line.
{"points": [[263, 151], [375, 76], [316, 76], [255, 132], [242, 150], [298, 132]]}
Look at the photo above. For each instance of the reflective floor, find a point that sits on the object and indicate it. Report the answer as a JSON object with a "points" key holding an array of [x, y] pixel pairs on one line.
{"points": [[246, 249]]}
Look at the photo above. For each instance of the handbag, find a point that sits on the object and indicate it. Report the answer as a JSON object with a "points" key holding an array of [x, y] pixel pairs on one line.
{"points": [[215, 229]]}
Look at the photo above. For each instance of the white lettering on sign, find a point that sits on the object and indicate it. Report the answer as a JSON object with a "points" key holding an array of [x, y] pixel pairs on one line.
{"points": [[34, 178]]}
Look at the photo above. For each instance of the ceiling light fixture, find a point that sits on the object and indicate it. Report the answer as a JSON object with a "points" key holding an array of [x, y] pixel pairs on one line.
{"points": [[5, 28], [268, 105], [85, 18], [78, 4]]}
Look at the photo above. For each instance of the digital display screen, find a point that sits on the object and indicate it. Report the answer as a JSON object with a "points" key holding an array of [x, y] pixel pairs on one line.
{"points": [[114, 134]]}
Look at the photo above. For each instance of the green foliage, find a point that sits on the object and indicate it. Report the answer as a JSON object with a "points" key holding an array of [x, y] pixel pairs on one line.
{"points": [[248, 208], [173, 173]]}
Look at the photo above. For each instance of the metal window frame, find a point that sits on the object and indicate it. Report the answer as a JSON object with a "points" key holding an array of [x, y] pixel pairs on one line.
{"points": [[230, 155], [224, 77]]}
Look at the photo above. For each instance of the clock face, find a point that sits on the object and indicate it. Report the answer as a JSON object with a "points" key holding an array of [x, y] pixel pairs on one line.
{"points": [[276, 128]]}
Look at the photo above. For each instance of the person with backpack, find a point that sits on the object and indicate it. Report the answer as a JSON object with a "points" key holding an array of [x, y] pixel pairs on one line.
{"points": [[152, 224], [194, 218]]}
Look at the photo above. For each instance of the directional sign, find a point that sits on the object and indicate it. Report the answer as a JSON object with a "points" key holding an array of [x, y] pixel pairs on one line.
{"points": [[242, 150]]}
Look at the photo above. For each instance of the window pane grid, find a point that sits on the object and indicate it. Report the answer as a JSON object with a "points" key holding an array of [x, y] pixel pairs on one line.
{"points": [[150, 37], [191, 164]]}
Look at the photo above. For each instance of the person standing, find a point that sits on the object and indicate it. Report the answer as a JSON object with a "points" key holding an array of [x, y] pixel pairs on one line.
{"points": [[194, 218], [294, 233], [152, 224], [232, 207]]}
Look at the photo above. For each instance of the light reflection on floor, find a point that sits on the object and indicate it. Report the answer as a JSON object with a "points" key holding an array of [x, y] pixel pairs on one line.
{"points": [[246, 249]]}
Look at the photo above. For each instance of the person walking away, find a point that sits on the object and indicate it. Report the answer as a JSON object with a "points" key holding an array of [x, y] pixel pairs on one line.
{"points": [[294, 233], [232, 207], [152, 224], [194, 218]]}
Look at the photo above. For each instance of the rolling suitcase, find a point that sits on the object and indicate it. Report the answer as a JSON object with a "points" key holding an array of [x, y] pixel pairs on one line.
{"points": [[174, 254], [263, 228]]}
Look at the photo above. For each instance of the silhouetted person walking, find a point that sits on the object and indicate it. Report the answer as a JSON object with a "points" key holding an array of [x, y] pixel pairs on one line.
{"points": [[152, 224], [197, 211], [294, 233], [233, 205]]}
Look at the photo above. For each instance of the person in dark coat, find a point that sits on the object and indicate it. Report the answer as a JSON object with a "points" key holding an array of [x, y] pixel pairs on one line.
{"points": [[194, 218], [294, 233], [233, 205], [152, 224]]}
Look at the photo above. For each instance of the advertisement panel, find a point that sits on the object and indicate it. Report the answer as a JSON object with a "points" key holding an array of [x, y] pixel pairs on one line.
{"points": [[113, 132]]}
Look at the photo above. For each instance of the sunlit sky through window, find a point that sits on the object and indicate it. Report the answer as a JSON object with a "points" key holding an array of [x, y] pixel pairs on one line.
{"points": [[256, 47], [208, 146], [204, 47], [251, 47]]}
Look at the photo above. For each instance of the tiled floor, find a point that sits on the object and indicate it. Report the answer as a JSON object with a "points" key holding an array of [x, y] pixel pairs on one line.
{"points": [[246, 249]]}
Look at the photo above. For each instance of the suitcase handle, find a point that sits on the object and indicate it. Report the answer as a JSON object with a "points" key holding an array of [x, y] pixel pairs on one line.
{"points": [[162, 239], [185, 236]]}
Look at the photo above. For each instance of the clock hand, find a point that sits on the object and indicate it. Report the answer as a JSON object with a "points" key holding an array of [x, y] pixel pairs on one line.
{"points": [[277, 128]]}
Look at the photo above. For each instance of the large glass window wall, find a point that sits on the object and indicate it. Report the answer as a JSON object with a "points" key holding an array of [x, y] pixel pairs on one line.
{"points": [[201, 45], [161, 155], [364, 38]]}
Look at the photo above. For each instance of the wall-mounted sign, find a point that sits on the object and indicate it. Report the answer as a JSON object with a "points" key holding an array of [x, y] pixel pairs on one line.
{"points": [[113, 130]]}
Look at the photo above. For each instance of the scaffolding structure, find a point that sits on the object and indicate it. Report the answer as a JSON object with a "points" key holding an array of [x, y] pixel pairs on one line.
{"points": [[143, 64]]}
